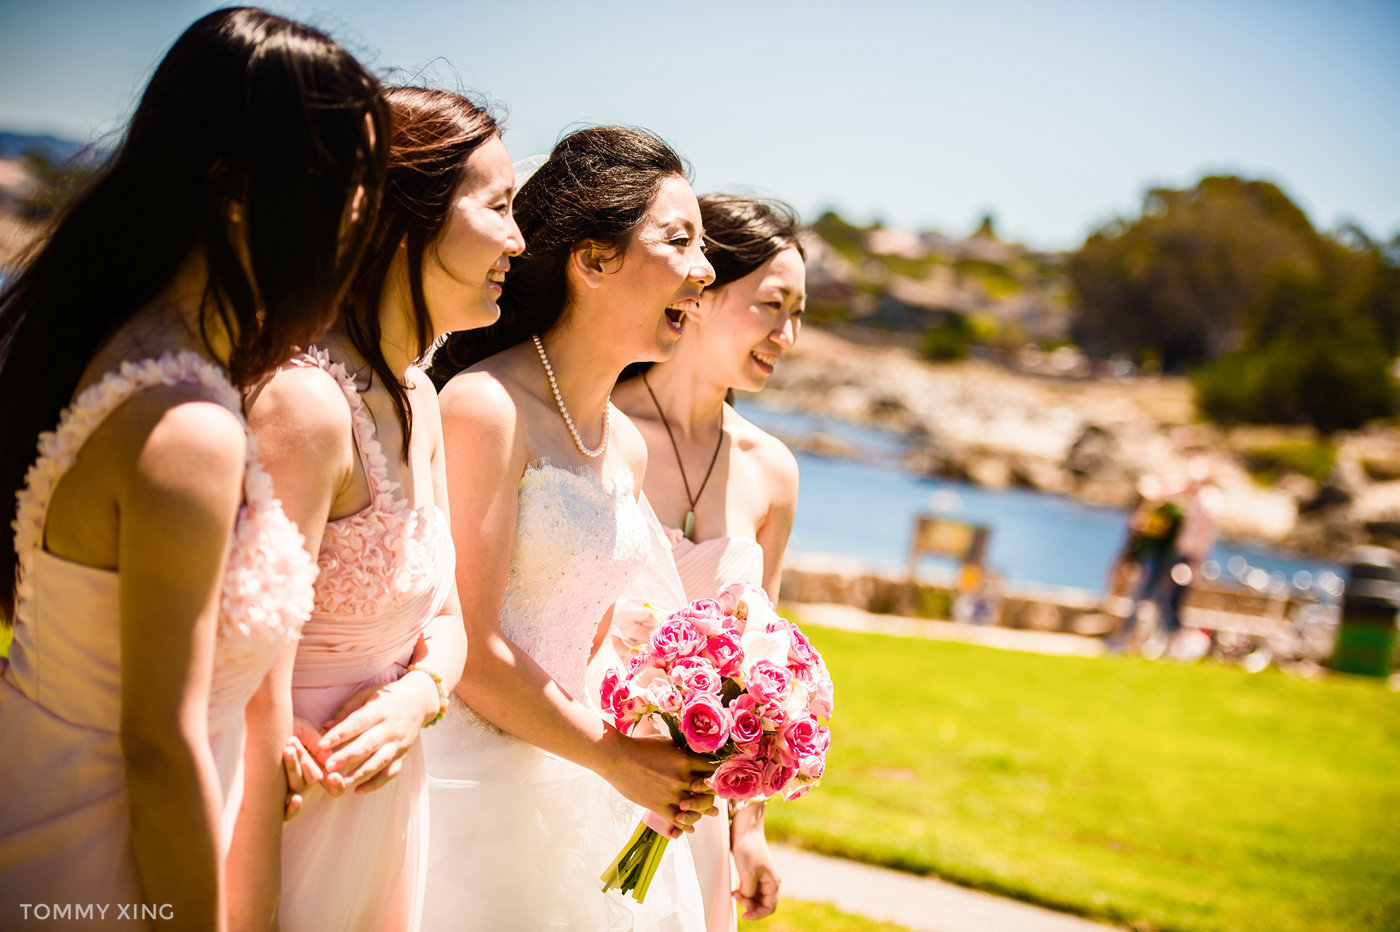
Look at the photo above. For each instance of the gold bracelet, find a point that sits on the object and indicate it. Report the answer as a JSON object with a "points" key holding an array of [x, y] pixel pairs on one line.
{"points": [[441, 691]]}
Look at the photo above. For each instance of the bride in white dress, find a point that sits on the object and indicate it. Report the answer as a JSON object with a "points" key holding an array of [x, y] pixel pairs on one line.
{"points": [[531, 793]]}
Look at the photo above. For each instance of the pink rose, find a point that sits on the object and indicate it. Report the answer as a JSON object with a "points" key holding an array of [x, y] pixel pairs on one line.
{"points": [[822, 742], [809, 773], [776, 775], [802, 654], [606, 691], [735, 598], [663, 695], [631, 706], [725, 652], [800, 737], [748, 727], [769, 683], [730, 596], [739, 778], [820, 698], [778, 623], [705, 723], [696, 674], [773, 715], [746, 703], [749, 604], [705, 614], [674, 639]]}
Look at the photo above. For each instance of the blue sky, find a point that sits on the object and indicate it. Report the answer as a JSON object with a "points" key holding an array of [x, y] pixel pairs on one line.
{"points": [[1054, 117]]}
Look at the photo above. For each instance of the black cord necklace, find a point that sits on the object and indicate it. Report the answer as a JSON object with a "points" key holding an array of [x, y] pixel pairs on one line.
{"points": [[688, 528]]}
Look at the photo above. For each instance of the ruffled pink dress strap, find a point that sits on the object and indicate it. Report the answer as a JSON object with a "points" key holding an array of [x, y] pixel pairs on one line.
{"points": [[58, 448]]}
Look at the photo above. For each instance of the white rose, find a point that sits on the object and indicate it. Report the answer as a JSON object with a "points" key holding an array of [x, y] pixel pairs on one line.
{"points": [[764, 645], [796, 704]]}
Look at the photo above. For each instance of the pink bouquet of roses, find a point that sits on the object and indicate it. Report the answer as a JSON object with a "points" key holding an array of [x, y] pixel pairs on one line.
{"points": [[734, 682]]}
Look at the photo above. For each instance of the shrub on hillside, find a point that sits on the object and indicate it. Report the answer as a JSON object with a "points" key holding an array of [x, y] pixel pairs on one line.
{"points": [[1316, 364], [948, 339]]}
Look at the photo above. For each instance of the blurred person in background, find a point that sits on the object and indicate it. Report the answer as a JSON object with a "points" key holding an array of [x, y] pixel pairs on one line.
{"points": [[1145, 562], [1201, 503]]}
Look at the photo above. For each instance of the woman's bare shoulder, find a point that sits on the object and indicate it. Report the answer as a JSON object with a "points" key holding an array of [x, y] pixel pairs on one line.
{"points": [[769, 453], [175, 441], [304, 399], [480, 399]]}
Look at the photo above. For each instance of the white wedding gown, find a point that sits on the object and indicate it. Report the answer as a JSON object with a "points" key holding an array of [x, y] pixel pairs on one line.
{"points": [[518, 837]]}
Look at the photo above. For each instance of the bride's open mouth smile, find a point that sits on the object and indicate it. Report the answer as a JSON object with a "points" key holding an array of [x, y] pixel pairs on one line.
{"points": [[675, 314]]}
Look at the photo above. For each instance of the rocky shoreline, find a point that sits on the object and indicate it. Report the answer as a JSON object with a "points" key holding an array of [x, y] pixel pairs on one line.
{"points": [[1087, 438]]}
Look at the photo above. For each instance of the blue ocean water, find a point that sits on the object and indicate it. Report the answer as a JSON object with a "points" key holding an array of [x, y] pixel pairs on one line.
{"points": [[866, 509]]}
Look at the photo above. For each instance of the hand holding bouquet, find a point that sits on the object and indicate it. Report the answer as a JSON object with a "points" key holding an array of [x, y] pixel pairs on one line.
{"points": [[733, 681]]}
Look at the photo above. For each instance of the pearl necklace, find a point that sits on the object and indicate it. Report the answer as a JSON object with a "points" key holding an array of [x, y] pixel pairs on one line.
{"points": [[559, 402]]}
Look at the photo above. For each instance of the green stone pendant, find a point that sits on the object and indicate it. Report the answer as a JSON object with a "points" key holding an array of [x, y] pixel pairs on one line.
{"points": [[688, 528]]}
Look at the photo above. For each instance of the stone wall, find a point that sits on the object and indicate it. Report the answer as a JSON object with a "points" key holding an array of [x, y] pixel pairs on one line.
{"points": [[1011, 605]]}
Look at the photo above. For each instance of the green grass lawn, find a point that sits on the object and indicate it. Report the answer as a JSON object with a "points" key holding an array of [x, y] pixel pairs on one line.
{"points": [[1173, 797]]}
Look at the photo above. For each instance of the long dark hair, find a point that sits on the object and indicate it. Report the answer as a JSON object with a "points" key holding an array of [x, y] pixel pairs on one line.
{"points": [[248, 113], [741, 233], [433, 134], [596, 186]]}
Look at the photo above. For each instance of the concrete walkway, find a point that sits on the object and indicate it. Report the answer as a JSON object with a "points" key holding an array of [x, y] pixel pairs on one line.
{"points": [[924, 903], [850, 618], [920, 903]]}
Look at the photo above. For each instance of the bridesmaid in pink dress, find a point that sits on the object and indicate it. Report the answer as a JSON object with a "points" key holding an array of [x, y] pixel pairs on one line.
{"points": [[352, 435], [725, 489], [156, 575]]}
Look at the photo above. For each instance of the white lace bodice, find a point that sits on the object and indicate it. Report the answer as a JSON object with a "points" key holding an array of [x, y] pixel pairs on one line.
{"points": [[578, 542]]}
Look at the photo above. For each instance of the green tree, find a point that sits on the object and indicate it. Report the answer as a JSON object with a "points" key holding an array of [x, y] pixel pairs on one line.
{"points": [[1181, 281], [1279, 322], [1318, 363]]}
